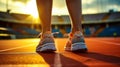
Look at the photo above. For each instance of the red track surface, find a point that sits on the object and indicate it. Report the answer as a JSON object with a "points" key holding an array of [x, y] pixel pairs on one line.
{"points": [[102, 52]]}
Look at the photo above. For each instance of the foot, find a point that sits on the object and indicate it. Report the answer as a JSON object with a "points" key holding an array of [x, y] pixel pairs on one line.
{"points": [[46, 43], [76, 43]]}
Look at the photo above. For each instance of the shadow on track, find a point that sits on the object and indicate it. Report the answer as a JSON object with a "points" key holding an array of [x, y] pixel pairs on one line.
{"points": [[65, 61], [102, 57]]}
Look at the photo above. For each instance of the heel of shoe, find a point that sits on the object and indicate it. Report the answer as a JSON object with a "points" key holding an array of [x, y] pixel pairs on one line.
{"points": [[79, 47], [49, 47]]}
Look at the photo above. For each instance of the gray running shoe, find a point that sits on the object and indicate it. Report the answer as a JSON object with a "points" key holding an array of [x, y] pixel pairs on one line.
{"points": [[46, 43], [76, 43]]}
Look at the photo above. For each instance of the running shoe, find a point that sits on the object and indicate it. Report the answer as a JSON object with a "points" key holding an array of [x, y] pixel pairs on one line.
{"points": [[76, 43], [46, 43]]}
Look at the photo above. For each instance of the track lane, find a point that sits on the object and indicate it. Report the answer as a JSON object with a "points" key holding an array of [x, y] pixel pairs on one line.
{"points": [[100, 54]]}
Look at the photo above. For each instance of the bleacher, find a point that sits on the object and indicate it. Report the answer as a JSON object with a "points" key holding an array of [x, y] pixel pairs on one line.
{"points": [[61, 19], [94, 17], [111, 31], [87, 31], [30, 31], [19, 16], [59, 34], [65, 20], [5, 15], [114, 16], [67, 29], [55, 20], [8, 33], [22, 32]]}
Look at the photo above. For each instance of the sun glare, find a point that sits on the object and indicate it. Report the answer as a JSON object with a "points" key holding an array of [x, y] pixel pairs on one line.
{"points": [[32, 9]]}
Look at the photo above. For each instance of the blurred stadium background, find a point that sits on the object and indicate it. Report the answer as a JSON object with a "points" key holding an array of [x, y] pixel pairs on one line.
{"points": [[101, 24]]}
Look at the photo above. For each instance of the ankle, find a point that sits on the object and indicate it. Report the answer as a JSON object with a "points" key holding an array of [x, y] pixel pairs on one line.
{"points": [[75, 32], [46, 34]]}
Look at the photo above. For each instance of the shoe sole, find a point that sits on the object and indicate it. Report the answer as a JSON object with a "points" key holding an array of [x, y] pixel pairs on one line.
{"points": [[79, 47], [49, 47]]}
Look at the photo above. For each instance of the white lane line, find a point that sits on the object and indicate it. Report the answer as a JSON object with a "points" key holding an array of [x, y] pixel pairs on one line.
{"points": [[18, 53], [57, 61], [16, 48], [108, 42]]}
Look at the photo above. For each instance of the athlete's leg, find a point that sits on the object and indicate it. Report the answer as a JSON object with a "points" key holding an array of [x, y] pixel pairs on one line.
{"points": [[46, 43], [74, 8], [45, 11], [76, 40]]}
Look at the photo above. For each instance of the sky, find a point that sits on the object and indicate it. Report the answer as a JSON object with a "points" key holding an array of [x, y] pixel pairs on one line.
{"points": [[59, 6]]}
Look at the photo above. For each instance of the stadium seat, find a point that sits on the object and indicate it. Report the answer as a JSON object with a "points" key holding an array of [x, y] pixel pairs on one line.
{"points": [[87, 31], [110, 31]]}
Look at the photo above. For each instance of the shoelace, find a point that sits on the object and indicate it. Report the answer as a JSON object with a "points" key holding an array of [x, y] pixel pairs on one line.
{"points": [[54, 33]]}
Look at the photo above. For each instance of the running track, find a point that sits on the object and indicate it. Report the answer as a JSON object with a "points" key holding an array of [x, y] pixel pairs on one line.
{"points": [[102, 52]]}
